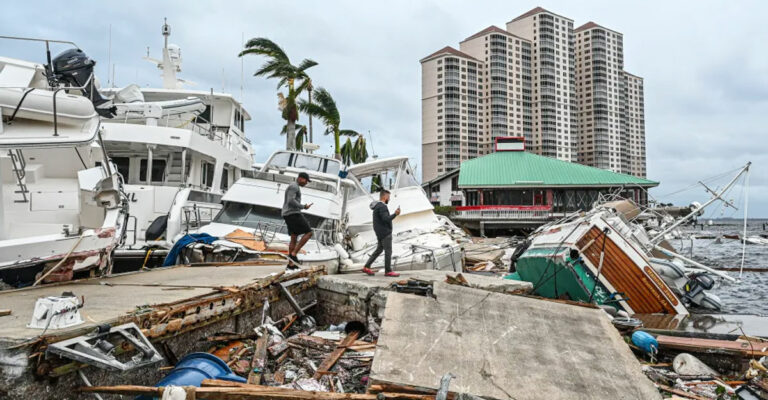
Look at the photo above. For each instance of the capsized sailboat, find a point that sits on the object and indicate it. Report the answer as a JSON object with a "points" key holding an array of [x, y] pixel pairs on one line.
{"points": [[603, 256]]}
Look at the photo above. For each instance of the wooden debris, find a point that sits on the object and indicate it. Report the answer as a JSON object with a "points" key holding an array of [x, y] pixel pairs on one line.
{"points": [[329, 362], [735, 347], [231, 390], [4, 312], [681, 393], [459, 279], [259, 361]]}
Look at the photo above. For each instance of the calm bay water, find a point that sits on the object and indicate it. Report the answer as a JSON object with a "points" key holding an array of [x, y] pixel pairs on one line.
{"points": [[750, 294]]}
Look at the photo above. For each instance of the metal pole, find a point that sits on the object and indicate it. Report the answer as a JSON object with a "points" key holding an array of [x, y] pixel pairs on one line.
{"points": [[716, 196]]}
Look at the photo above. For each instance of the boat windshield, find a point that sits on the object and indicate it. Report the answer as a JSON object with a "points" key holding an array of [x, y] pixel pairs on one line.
{"points": [[263, 218], [390, 179], [308, 162]]}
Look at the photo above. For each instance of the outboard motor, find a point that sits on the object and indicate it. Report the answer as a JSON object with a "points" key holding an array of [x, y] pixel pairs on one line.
{"points": [[694, 292], [74, 68]]}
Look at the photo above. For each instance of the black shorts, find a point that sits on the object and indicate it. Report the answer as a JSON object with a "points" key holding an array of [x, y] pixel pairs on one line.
{"points": [[297, 224]]}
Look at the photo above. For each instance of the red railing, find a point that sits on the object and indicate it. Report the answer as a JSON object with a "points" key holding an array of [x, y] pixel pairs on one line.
{"points": [[503, 212], [504, 207]]}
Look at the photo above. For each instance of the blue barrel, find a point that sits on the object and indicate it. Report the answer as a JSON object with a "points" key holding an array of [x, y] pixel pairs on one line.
{"points": [[195, 367], [645, 341]]}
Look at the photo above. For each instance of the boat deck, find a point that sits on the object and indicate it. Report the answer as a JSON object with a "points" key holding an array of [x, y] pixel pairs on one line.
{"points": [[106, 299]]}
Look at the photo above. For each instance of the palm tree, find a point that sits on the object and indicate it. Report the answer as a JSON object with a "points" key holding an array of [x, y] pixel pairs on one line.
{"points": [[293, 77], [301, 134], [354, 153], [324, 108]]}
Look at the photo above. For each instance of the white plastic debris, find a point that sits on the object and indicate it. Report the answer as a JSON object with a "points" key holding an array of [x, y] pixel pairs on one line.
{"points": [[686, 364], [56, 312], [174, 393]]}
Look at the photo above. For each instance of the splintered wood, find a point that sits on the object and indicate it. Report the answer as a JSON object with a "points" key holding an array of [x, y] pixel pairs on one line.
{"points": [[336, 354]]}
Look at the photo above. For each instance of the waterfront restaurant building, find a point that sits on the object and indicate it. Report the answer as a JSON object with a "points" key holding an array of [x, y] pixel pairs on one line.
{"points": [[512, 188]]}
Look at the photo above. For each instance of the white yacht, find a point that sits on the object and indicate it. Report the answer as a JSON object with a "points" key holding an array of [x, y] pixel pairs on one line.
{"points": [[62, 210], [177, 151], [250, 225], [421, 239]]}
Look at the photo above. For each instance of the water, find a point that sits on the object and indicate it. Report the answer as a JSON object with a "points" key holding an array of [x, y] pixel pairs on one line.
{"points": [[750, 294]]}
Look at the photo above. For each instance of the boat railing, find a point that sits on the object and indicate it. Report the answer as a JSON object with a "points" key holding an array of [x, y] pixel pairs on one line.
{"points": [[196, 216], [503, 212], [192, 124]]}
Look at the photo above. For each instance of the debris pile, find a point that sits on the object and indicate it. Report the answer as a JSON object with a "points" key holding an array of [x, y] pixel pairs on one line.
{"points": [[734, 369], [294, 354], [490, 255]]}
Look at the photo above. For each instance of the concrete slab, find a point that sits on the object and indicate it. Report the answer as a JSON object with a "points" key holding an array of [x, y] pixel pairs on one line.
{"points": [[104, 303], [363, 295], [505, 347], [362, 284]]}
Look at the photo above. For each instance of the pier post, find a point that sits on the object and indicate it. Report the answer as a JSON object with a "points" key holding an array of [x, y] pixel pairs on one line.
{"points": [[482, 229]]}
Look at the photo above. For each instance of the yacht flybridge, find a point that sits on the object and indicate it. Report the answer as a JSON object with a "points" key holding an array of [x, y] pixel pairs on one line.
{"points": [[177, 150], [62, 210]]}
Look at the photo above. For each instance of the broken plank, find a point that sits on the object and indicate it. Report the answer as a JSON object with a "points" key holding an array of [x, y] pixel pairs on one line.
{"points": [[330, 361], [712, 345], [259, 361], [681, 393]]}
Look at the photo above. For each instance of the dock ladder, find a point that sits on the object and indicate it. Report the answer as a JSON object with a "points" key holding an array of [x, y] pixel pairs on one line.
{"points": [[19, 164]]}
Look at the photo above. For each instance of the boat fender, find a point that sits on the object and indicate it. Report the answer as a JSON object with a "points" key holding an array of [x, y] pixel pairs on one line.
{"points": [[622, 314], [645, 341], [340, 250], [347, 262]]}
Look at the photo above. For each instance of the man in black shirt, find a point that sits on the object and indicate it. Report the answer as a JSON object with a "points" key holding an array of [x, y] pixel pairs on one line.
{"points": [[382, 226]]}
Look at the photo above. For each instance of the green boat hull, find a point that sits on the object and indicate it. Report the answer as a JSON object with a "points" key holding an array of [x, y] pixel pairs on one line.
{"points": [[555, 275]]}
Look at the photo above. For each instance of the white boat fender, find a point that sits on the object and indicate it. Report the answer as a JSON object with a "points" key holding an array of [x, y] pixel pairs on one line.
{"points": [[340, 250], [347, 262]]}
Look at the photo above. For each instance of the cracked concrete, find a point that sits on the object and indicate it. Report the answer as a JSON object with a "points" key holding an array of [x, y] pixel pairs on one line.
{"points": [[505, 347]]}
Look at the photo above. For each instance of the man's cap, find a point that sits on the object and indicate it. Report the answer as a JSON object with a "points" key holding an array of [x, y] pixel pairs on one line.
{"points": [[305, 176]]}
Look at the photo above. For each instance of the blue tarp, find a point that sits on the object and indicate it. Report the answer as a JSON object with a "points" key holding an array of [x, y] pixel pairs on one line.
{"points": [[185, 241]]}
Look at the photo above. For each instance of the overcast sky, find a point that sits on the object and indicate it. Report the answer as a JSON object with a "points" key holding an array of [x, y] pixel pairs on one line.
{"points": [[705, 66]]}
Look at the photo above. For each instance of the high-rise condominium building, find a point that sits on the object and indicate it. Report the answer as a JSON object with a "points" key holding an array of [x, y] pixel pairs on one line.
{"points": [[564, 90], [554, 107]]}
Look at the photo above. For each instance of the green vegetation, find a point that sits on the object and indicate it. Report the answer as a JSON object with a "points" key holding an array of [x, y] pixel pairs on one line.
{"points": [[292, 77]]}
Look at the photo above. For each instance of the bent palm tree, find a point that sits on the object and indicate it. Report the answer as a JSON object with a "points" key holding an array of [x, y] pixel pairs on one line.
{"points": [[293, 77], [324, 108]]}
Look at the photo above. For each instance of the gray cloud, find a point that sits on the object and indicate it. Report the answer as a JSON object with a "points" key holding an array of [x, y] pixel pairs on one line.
{"points": [[704, 64]]}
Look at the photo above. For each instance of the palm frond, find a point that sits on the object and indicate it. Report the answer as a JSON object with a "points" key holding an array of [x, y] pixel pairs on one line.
{"points": [[305, 64], [264, 47], [323, 98], [348, 132]]}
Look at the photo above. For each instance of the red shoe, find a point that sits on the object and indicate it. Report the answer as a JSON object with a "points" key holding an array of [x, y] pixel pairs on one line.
{"points": [[369, 271], [392, 274]]}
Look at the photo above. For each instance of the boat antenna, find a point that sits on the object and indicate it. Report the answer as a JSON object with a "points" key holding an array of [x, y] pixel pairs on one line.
{"points": [[109, 58], [370, 137], [242, 76], [746, 212]]}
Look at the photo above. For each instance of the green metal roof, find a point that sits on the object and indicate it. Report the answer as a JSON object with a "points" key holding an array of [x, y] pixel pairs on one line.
{"points": [[524, 169]]}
